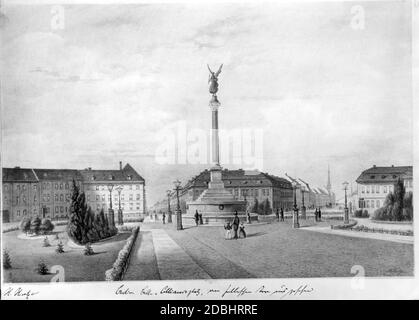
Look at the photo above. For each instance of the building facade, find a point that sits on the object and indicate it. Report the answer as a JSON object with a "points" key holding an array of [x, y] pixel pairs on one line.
{"points": [[374, 184], [47, 192], [244, 185]]}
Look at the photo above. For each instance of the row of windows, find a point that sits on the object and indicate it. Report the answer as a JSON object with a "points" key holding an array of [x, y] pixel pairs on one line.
{"points": [[251, 192], [131, 206], [103, 187], [376, 189], [107, 197], [369, 204]]}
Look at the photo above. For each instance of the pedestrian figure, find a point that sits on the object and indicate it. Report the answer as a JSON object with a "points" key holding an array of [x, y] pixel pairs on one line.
{"points": [[200, 219], [320, 215], [282, 214], [242, 233], [236, 222], [316, 214], [155, 217], [227, 228], [277, 214], [249, 219], [164, 218], [196, 217]]}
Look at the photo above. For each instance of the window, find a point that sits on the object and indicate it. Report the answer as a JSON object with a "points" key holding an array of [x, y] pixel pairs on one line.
{"points": [[61, 197], [97, 197], [130, 186], [5, 198], [56, 197], [24, 187], [368, 189], [138, 196], [48, 197], [18, 213], [267, 192], [385, 189], [34, 187], [372, 189], [66, 185], [377, 189], [6, 187], [103, 197], [56, 186], [390, 189], [256, 192], [97, 188], [34, 198], [236, 192], [137, 187], [24, 212], [363, 189], [368, 203], [372, 203], [131, 197], [122, 197], [61, 209], [378, 203], [24, 199], [56, 209]]}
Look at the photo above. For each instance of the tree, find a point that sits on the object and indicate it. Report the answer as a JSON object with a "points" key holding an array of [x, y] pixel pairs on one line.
{"points": [[83, 225], [60, 248], [7, 263], [46, 226], [35, 225], [255, 206], [25, 225], [408, 206], [42, 268], [399, 191]]}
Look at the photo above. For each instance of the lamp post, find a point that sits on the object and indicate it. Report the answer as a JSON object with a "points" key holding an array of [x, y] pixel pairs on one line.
{"points": [[169, 212], [346, 210], [295, 223], [120, 216], [111, 220], [303, 207], [178, 212]]}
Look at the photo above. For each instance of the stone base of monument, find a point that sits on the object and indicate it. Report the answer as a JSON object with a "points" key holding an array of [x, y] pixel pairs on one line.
{"points": [[210, 219]]}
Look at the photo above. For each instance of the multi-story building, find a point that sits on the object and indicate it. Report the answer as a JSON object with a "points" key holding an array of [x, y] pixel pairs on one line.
{"points": [[47, 192], [374, 184], [244, 185]]}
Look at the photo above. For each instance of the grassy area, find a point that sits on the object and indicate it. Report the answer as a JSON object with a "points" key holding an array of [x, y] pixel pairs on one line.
{"points": [[26, 254]]}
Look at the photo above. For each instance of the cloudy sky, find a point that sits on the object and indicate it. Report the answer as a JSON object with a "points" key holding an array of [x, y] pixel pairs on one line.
{"points": [[323, 86]]}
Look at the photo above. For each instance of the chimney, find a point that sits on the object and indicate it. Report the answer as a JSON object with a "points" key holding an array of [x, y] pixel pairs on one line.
{"points": [[120, 165], [374, 166]]}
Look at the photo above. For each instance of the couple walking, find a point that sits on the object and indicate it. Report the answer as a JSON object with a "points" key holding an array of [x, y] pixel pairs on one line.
{"points": [[198, 218], [236, 227]]}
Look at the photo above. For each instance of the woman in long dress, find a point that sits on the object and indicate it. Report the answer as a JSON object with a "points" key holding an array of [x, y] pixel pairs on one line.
{"points": [[227, 228]]}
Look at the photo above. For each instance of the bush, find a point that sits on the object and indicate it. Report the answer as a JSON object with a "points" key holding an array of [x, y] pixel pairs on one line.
{"points": [[35, 225], [7, 262], [46, 243], [60, 248], [46, 226], [25, 225], [42, 268], [88, 250]]}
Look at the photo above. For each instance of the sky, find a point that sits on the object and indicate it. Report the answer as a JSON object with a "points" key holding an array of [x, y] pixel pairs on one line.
{"points": [[92, 85]]}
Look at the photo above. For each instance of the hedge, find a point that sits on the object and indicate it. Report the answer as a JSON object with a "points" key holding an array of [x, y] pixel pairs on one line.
{"points": [[121, 263]]}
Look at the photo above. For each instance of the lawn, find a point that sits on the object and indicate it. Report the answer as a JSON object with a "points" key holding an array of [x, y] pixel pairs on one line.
{"points": [[26, 254]]}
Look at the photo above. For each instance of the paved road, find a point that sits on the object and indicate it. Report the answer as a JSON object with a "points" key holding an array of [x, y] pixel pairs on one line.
{"points": [[270, 251]]}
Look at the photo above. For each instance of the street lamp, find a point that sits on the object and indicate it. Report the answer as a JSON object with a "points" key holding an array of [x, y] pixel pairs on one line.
{"points": [[120, 217], [169, 212], [178, 213], [111, 220], [346, 210], [295, 222], [303, 207]]}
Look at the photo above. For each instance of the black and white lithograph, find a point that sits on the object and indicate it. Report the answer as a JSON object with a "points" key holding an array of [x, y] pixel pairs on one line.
{"points": [[207, 150]]}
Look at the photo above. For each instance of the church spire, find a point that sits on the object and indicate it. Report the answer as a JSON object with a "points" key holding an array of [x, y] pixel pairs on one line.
{"points": [[329, 185]]}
